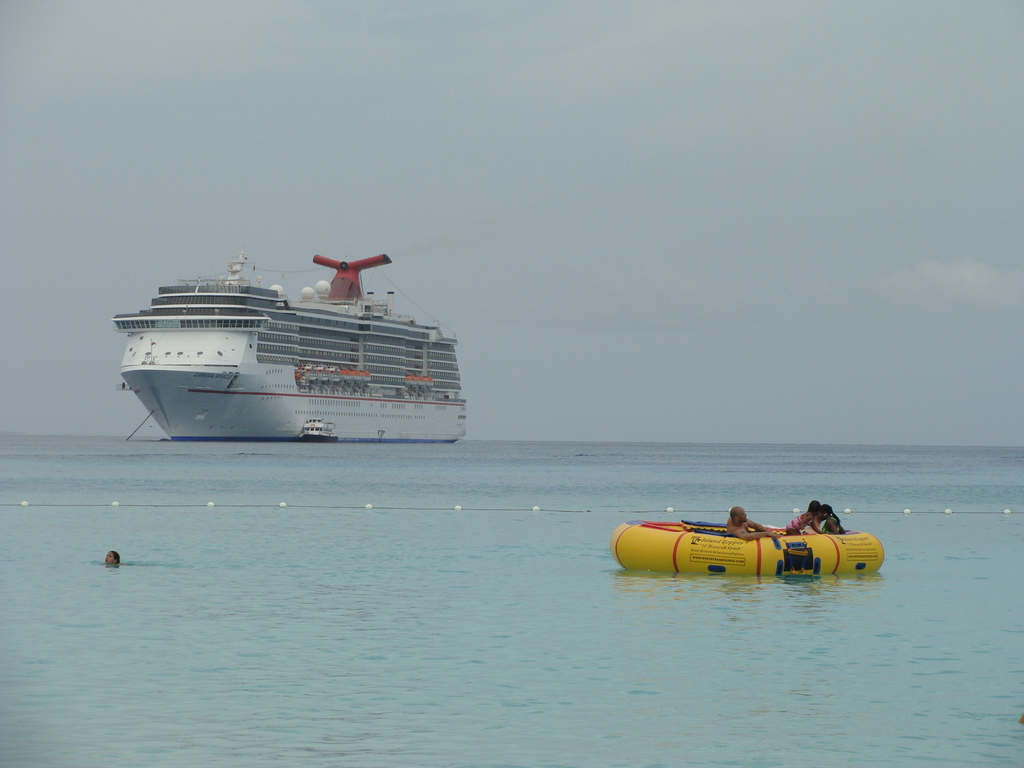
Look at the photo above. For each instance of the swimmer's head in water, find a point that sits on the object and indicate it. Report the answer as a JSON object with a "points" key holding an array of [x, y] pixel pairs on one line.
{"points": [[113, 558]]}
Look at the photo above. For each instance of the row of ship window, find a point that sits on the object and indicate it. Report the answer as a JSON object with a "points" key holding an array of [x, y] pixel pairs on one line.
{"points": [[282, 337], [229, 311], [358, 404], [319, 324], [295, 351], [387, 346], [325, 333], [397, 362], [324, 344], [362, 415], [188, 323], [190, 287], [345, 403], [330, 323], [192, 298]]}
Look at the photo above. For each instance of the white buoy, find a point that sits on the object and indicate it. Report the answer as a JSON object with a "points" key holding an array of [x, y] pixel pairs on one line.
{"points": [[282, 505], [114, 504], [669, 510], [210, 504], [369, 506], [948, 512], [796, 511], [847, 511], [906, 511], [1006, 512], [24, 503], [458, 507], [536, 509]]}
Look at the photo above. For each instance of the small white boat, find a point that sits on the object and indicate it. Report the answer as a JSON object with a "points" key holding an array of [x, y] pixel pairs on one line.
{"points": [[318, 431]]}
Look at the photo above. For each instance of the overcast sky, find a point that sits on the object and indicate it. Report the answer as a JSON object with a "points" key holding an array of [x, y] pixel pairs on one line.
{"points": [[687, 222]]}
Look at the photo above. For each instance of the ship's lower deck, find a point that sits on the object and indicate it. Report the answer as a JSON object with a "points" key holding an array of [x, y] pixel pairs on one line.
{"points": [[261, 403]]}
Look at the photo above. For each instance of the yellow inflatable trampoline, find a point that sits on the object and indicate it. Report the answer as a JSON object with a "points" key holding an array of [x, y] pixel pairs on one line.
{"points": [[690, 547]]}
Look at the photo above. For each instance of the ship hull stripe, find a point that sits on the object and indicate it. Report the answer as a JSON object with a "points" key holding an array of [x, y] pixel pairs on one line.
{"points": [[448, 403], [295, 439]]}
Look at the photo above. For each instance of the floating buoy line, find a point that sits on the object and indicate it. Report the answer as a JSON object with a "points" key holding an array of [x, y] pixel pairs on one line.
{"points": [[288, 505], [460, 508]]}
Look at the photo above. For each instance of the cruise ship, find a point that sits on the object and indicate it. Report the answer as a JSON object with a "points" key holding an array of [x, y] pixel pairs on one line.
{"points": [[223, 359]]}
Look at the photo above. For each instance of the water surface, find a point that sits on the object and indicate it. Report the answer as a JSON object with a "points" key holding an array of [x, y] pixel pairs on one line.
{"points": [[323, 633]]}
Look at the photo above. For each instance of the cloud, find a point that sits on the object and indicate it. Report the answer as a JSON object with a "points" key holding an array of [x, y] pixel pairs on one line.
{"points": [[954, 284]]}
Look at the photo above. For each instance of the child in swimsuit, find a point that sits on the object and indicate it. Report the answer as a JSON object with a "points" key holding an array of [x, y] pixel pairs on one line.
{"points": [[829, 521], [808, 518]]}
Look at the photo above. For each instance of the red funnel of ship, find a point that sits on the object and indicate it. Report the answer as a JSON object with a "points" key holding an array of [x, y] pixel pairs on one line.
{"points": [[346, 285]]}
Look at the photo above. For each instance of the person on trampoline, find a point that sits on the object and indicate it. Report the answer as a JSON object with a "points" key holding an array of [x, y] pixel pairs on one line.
{"points": [[808, 519], [828, 520], [742, 528]]}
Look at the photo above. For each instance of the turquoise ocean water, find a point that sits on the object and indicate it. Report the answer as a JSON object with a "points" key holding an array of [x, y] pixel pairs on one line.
{"points": [[327, 634]]}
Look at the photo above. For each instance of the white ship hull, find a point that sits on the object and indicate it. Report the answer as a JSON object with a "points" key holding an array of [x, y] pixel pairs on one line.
{"points": [[246, 400], [191, 404]]}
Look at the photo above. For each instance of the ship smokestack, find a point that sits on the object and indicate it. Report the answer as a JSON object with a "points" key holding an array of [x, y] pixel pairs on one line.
{"points": [[346, 285]]}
